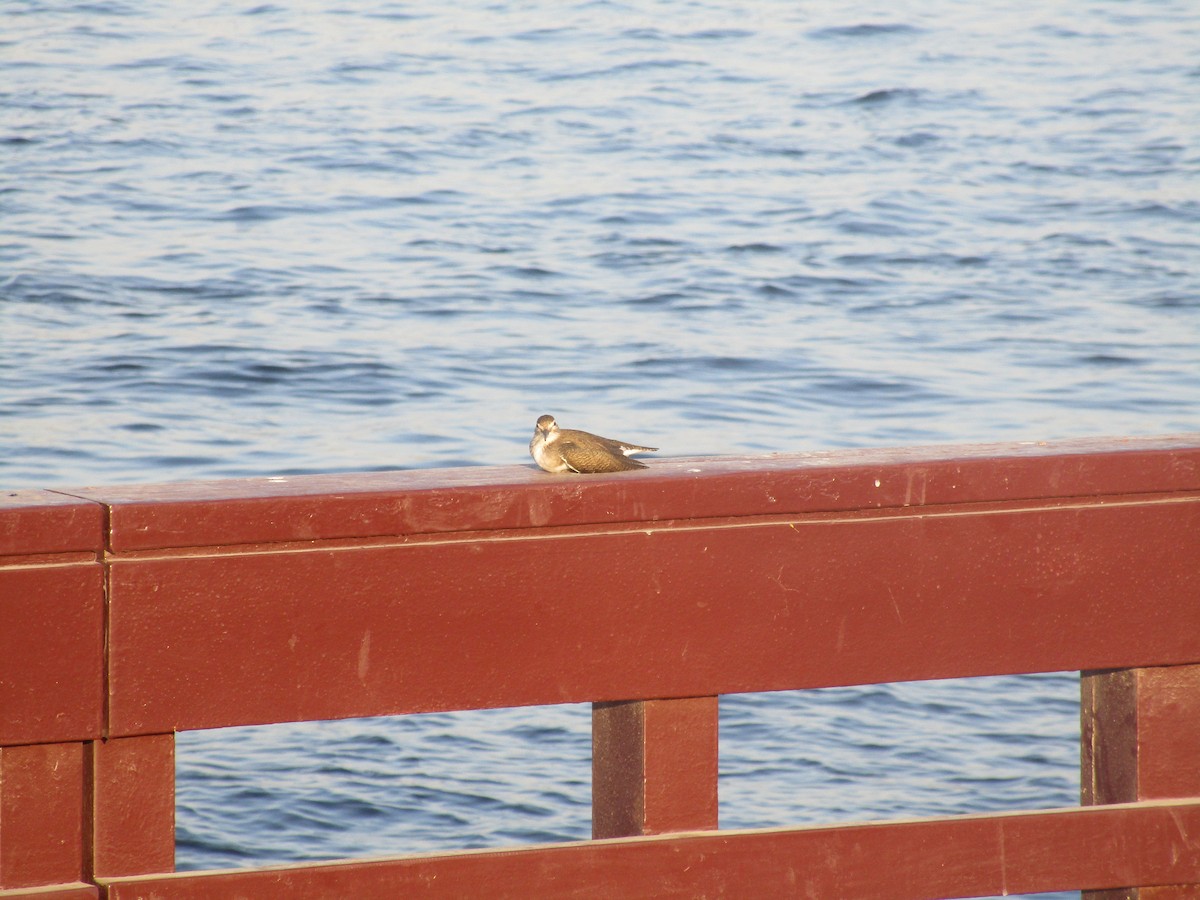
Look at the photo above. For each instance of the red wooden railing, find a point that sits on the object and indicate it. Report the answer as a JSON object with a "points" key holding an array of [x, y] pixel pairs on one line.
{"points": [[130, 613]]}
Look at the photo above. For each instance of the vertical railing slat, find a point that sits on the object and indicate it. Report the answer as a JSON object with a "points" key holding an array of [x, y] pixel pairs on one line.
{"points": [[132, 790], [654, 766], [1140, 735]]}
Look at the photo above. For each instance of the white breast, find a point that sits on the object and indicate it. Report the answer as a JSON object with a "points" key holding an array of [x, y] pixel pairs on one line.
{"points": [[543, 454]]}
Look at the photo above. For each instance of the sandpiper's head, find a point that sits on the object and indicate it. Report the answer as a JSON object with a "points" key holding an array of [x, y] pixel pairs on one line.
{"points": [[546, 424]]}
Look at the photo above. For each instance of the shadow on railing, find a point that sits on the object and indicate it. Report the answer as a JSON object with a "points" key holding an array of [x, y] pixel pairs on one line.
{"points": [[130, 613]]}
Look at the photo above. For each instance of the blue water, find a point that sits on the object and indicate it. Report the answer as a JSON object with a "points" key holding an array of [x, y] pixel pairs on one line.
{"points": [[270, 239]]}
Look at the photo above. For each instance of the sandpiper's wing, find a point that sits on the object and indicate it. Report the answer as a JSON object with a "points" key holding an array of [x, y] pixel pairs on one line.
{"points": [[627, 449], [590, 453]]}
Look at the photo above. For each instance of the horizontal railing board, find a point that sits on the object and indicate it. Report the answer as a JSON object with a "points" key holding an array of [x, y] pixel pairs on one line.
{"points": [[964, 856], [674, 610], [326, 507], [34, 522], [51, 653]]}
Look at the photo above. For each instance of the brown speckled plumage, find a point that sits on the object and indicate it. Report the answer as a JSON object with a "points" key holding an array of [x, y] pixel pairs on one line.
{"points": [[567, 450]]}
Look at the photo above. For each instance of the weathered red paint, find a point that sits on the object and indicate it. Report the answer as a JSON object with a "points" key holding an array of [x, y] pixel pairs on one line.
{"points": [[953, 857], [51, 653], [41, 815], [511, 619], [133, 805], [440, 501], [654, 766], [648, 594]]}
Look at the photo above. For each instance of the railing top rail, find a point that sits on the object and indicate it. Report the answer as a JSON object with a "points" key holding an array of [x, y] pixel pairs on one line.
{"points": [[362, 505], [37, 522]]}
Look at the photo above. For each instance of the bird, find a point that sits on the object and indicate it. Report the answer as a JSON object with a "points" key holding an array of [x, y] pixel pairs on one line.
{"points": [[566, 450]]}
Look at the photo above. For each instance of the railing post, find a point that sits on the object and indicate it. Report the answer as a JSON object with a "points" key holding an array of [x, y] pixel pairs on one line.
{"points": [[132, 793], [1140, 735], [654, 766], [51, 687]]}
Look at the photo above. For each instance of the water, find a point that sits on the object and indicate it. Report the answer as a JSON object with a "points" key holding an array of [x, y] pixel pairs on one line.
{"points": [[273, 239]]}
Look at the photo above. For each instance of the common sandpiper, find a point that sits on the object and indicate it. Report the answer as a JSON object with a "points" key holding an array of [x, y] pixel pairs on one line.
{"points": [[566, 450]]}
